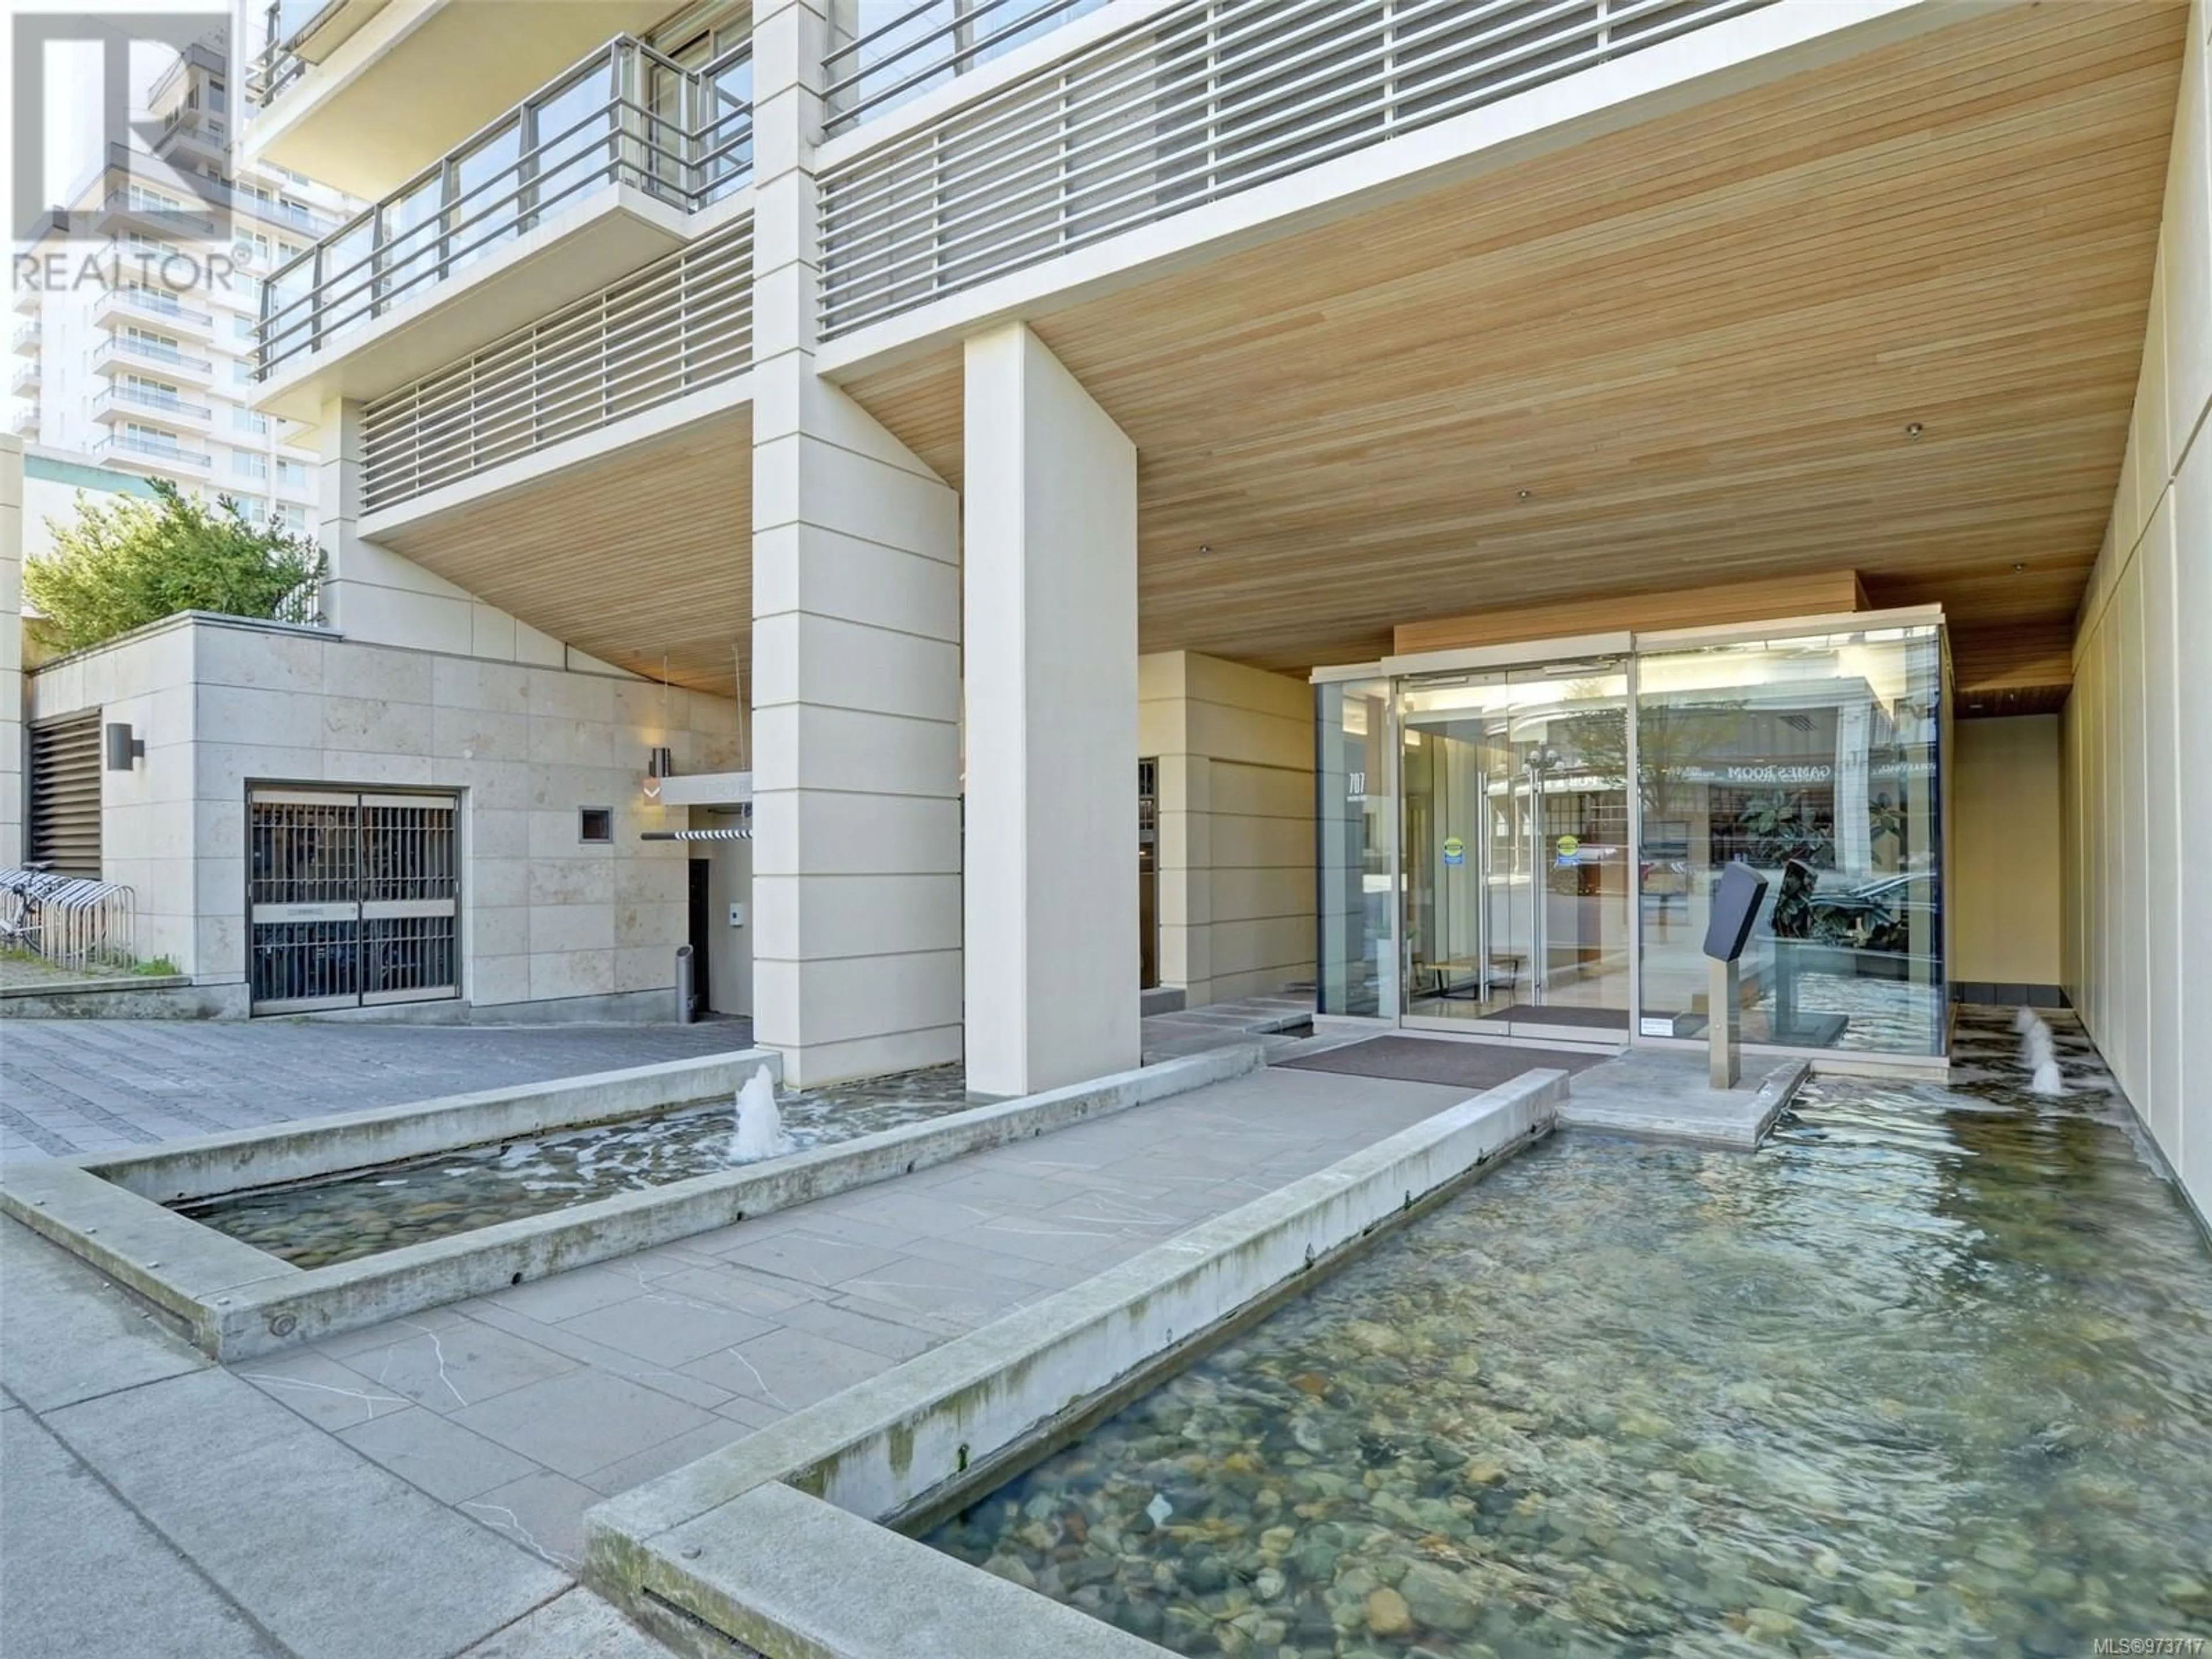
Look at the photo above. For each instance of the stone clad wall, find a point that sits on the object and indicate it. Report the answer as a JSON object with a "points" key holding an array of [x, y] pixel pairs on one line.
{"points": [[1236, 749], [222, 703], [2137, 785]]}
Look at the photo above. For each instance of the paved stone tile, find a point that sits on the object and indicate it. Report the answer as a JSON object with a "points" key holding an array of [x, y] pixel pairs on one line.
{"points": [[450, 1367], [83, 1578], [581, 1420], [965, 1293], [577, 1625], [67, 1332], [729, 1285], [670, 1454], [790, 1369], [542, 1512], [337, 1558], [666, 1330], [1020, 1277], [329, 1394], [437, 1454], [83, 1085], [859, 1330], [812, 1258], [565, 1295], [691, 1390]]}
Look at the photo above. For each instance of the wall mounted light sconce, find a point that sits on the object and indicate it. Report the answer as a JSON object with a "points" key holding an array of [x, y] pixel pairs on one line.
{"points": [[659, 763], [123, 749]]}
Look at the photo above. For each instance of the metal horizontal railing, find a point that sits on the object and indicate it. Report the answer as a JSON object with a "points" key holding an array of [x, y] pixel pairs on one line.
{"points": [[1196, 103], [285, 24], [927, 46], [154, 304], [624, 115], [132, 443], [162, 214], [151, 351], [682, 323], [137, 396]]}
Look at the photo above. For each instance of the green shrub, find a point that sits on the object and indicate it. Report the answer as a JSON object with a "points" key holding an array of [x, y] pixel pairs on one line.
{"points": [[121, 566]]}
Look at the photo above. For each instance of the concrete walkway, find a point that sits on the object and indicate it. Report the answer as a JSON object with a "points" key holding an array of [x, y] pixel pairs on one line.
{"points": [[416, 1489], [96, 1085]]}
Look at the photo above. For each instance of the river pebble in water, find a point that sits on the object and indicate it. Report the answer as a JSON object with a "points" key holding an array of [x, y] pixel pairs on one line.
{"points": [[1930, 1374]]}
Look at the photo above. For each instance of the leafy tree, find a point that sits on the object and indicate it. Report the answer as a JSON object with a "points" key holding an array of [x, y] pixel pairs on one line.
{"points": [[122, 566]]}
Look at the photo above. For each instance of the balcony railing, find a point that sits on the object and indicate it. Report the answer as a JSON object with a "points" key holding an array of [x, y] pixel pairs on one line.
{"points": [[159, 403], [154, 304], [131, 444], [624, 115], [682, 323], [26, 378], [929, 45], [176, 218], [285, 24], [26, 335], [1197, 102], [150, 351]]}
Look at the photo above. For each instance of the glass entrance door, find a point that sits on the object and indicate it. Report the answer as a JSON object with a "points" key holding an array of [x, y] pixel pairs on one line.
{"points": [[1515, 852]]}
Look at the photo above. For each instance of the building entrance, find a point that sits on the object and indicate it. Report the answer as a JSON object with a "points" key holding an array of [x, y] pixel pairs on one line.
{"points": [[1514, 805]]}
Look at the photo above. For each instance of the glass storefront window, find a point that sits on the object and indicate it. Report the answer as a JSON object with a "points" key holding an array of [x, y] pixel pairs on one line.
{"points": [[1815, 761], [1357, 971]]}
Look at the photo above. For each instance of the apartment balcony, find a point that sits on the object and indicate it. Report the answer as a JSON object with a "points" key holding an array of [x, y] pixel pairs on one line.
{"points": [[26, 338], [122, 211], [620, 161], [134, 452], [964, 149], [150, 307], [25, 423], [208, 134], [363, 93], [26, 379], [123, 402], [121, 354]]}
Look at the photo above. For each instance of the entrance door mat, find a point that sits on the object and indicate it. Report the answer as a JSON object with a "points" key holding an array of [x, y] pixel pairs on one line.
{"points": [[1458, 1065]]}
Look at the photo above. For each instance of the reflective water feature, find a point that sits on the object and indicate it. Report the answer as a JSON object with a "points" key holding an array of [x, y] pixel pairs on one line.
{"points": [[342, 1218], [1932, 1373]]}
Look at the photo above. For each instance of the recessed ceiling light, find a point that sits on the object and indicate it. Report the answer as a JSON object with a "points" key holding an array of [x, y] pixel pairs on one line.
{"points": [[2018, 568], [1913, 429], [1526, 494], [1206, 547]]}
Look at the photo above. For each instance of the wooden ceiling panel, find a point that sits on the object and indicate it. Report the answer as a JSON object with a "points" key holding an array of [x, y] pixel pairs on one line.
{"points": [[1689, 352], [642, 558]]}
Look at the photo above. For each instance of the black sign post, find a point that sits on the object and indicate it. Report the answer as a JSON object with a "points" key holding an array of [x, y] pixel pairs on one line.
{"points": [[1736, 909]]}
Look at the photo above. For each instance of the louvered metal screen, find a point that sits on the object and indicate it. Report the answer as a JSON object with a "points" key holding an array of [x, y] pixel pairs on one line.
{"points": [[1191, 105], [64, 796], [353, 898], [682, 323]]}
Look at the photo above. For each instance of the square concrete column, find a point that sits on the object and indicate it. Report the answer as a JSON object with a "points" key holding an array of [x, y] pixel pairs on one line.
{"points": [[1050, 602], [855, 658]]}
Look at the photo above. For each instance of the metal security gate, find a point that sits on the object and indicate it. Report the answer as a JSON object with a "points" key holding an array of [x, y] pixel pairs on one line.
{"points": [[353, 898]]}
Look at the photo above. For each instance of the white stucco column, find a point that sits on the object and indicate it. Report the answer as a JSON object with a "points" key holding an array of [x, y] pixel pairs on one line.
{"points": [[1051, 613], [11, 653], [855, 658]]}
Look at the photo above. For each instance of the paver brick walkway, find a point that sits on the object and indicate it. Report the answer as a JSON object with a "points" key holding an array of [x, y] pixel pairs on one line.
{"points": [[93, 1086]]}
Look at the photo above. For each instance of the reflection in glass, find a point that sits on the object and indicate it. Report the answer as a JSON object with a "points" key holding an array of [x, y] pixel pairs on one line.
{"points": [[1358, 972], [1815, 761], [1515, 862]]}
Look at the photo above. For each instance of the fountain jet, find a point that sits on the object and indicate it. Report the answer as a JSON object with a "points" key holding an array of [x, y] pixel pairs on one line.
{"points": [[760, 1125]]}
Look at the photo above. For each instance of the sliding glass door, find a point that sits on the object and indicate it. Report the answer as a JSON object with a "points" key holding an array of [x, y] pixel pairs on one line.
{"points": [[1515, 851]]}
